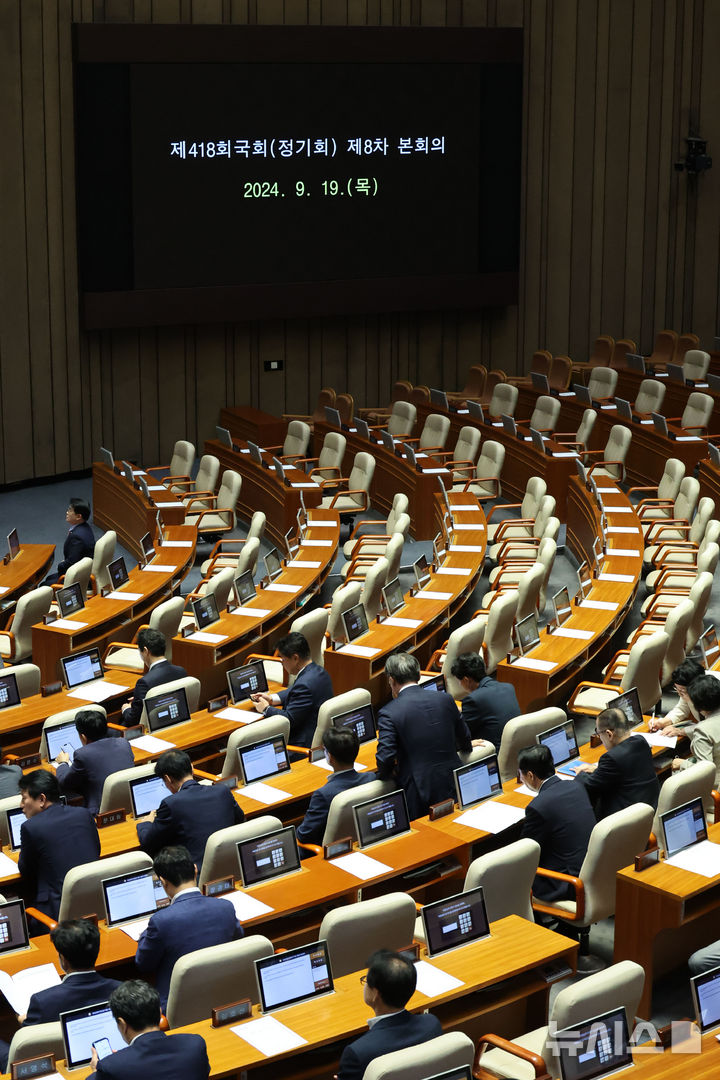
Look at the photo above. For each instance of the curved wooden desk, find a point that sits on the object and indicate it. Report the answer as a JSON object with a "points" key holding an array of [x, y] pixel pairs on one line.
{"points": [[29, 567], [118, 506]]}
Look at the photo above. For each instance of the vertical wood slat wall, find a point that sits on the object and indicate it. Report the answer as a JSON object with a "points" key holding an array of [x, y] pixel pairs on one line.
{"points": [[613, 239]]}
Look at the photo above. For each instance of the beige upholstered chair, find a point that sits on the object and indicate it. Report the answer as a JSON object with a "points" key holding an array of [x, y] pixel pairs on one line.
{"points": [[510, 573], [651, 395], [658, 501], [535, 491], [699, 593], [465, 638], [328, 465], [165, 618], [545, 415], [205, 480], [695, 364], [515, 532], [67, 716], [221, 854], [82, 888], [28, 678], [497, 642], [461, 460], [356, 496], [366, 550], [374, 581], [450, 1051], [674, 562], [207, 978], [355, 932], [695, 782], [676, 626], [393, 523], [79, 573], [219, 586], [602, 382], [486, 482], [503, 401], [181, 463], [696, 414], [16, 641], [343, 598], [313, 626], [434, 433], [335, 706], [35, 1041], [190, 685], [579, 439], [402, 419], [611, 461], [220, 514], [296, 442], [268, 728], [675, 525], [228, 552], [102, 556], [685, 343], [642, 669], [520, 732], [116, 789]]}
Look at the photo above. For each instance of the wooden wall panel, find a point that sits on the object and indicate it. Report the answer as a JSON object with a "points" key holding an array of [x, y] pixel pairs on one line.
{"points": [[613, 240]]}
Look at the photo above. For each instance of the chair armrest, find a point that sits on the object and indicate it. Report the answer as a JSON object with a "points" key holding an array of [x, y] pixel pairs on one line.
{"points": [[633, 490], [11, 637], [41, 917], [351, 491], [334, 481], [510, 523], [316, 849], [306, 460], [697, 429], [503, 506], [507, 546], [679, 570], [619, 660], [592, 453], [174, 479], [116, 727], [651, 504], [183, 483], [604, 463], [297, 749], [587, 685], [461, 465], [579, 447], [193, 495], [560, 913], [189, 506], [124, 644], [163, 468], [212, 510], [657, 600], [483, 480], [529, 1056], [428, 449], [661, 525], [367, 521]]}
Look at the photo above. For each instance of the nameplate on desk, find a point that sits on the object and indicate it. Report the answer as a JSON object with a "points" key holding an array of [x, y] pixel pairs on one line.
{"points": [[129, 596], [470, 548], [50, 618], [441, 809], [455, 571], [411, 624], [358, 650], [314, 524], [569, 632], [176, 544], [564, 454], [50, 688], [627, 578], [110, 817], [531, 664], [624, 553], [32, 1068], [277, 587], [294, 485], [158, 568], [251, 612], [217, 703], [316, 543], [618, 509], [646, 859], [219, 886], [430, 595], [24, 761], [457, 509], [209, 639], [302, 564], [338, 847], [229, 1014], [623, 529], [600, 605], [69, 624]]}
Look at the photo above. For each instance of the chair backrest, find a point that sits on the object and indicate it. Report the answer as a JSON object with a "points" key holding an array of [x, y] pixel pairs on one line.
{"points": [[650, 396], [333, 451], [228, 495], [325, 398], [541, 362], [207, 978], [545, 414], [464, 639], [687, 498], [103, 555], [602, 382], [375, 579], [497, 642], [345, 405], [616, 449], [267, 728], [220, 585], [340, 821], [671, 479], [355, 932], [712, 533], [313, 625], [394, 550], [116, 789], [520, 732], [489, 464], [622, 347], [35, 1041], [467, 446], [547, 549], [188, 683], [207, 474], [79, 574], [30, 610], [66, 716], [82, 888], [697, 412], [344, 597], [695, 782], [399, 506], [435, 431], [257, 526], [560, 373], [221, 856], [166, 618], [297, 439], [451, 1051], [695, 364], [644, 668], [703, 516], [475, 381], [528, 591], [614, 843], [708, 558], [506, 876], [504, 400], [402, 418], [545, 511], [27, 676], [248, 557], [587, 424], [535, 492], [664, 347], [361, 476], [699, 594], [334, 706], [685, 342], [183, 458], [602, 351], [676, 627], [420, 394]]}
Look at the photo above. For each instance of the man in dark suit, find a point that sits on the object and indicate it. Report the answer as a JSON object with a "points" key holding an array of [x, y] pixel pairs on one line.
{"points": [[78, 944], [150, 1052], [53, 840], [488, 704], [80, 540], [388, 986], [560, 819], [190, 813], [341, 749], [301, 701], [151, 644], [419, 734], [625, 774], [192, 921], [98, 756]]}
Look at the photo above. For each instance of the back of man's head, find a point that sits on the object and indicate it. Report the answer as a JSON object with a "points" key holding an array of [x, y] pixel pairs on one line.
{"points": [[91, 723], [687, 672], [342, 743], [537, 760], [393, 976], [174, 763], [293, 644], [704, 693], [613, 720], [40, 782], [152, 640], [78, 940], [175, 865], [468, 665], [137, 1003], [403, 668]]}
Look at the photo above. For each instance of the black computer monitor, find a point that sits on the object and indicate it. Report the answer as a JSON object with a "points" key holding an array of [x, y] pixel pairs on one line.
{"points": [[360, 720], [410, 455], [264, 758], [83, 1027], [70, 599], [332, 416], [106, 456], [355, 622], [296, 975], [477, 781], [224, 437], [456, 921], [118, 572], [540, 382], [13, 543], [167, 708], [82, 667], [9, 692], [147, 545], [475, 410], [205, 610], [255, 453], [439, 398], [272, 855], [13, 927], [146, 794], [362, 428], [382, 818], [247, 680], [596, 1048]]}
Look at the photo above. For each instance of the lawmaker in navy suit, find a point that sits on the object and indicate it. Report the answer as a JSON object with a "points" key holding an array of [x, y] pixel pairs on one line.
{"points": [[151, 645], [488, 704], [419, 735], [190, 813], [150, 1053], [54, 839], [78, 944], [93, 762], [341, 749], [301, 701], [560, 819], [80, 540], [192, 921], [625, 774], [390, 983]]}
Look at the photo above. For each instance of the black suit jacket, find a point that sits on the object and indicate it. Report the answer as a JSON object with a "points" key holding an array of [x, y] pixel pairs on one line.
{"points": [[157, 1056], [92, 764], [560, 818], [79, 544], [159, 673], [391, 1033], [419, 734], [301, 701], [625, 775], [53, 842], [487, 710], [76, 991], [312, 827], [188, 817]]}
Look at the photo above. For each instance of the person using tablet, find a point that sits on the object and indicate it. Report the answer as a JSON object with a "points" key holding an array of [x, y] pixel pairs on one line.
{"points": [[704, 694], [192, 921], [151, 645], [341, 749], [149, 1051], [625, 774], [560, 819], [488, 704], [93, 762], [301, 701], [388, 986], [419, 735], [79, 542]]}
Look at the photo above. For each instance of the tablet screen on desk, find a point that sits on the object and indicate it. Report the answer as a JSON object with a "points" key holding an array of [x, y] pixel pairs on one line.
{"points": [[13, 927], [82, 1027], [439, 398], [255, 452], [205, 611], [436, 683], [15, 819], [268, 856], [381, 819], [13, 543], [273, 564], [332, 416], [268, 757], [247, 680], [293, 976], [393, 596], [164, 709], [146, 794], [244, 588], [9, 693], [455, 921], [629, 703], [624, 409], [421, 570], [362, 722], [82, 667], [148, 547], [118, 572], [70, 599], [595, 1048], [477, 781], [561, 605], [684, 826], [561, 741], [62, 737], [224, 437], [131, 896], [355, 622], [527, 634], [362, 428], [705, 991]]}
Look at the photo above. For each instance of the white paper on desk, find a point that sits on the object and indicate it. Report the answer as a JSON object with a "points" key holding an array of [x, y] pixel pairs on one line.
{"points": [[135, 929], [151, 744], [523, 790], [646, 421], [269, 1036], [491, 817], [117, 595], [264, 794], [569, 632], [496, 423], [623, 529], [361, 866], [176, 543], [702, 858], [455, 571], [566, 393], [688, 438], [431, 981], [8, 866], [434, 472], [430, 595], [97, 691], [302, 564], [624, 553], [475, 548], [463, 411], [618, 509], [158, 568], [70, 624], [564, 453], [251, 612], [653, 739], [167, 505], [310, 485], [467, 528], [616, 577], [211, 639], [246, 907], [358, 650], [239, 716], [138, 472], [314, 524], [4, 589], [421, 454], [600, 605], [316, 543], [534, 665], [395, 621], [275, 587], [323, 764], [607, 490], [244, 449], [156, 487], [457, 508], [19, 988]]}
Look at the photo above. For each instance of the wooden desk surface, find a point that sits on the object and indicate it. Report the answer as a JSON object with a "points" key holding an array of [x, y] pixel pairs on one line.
{"points": [[118, 505], [29, 567]]}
